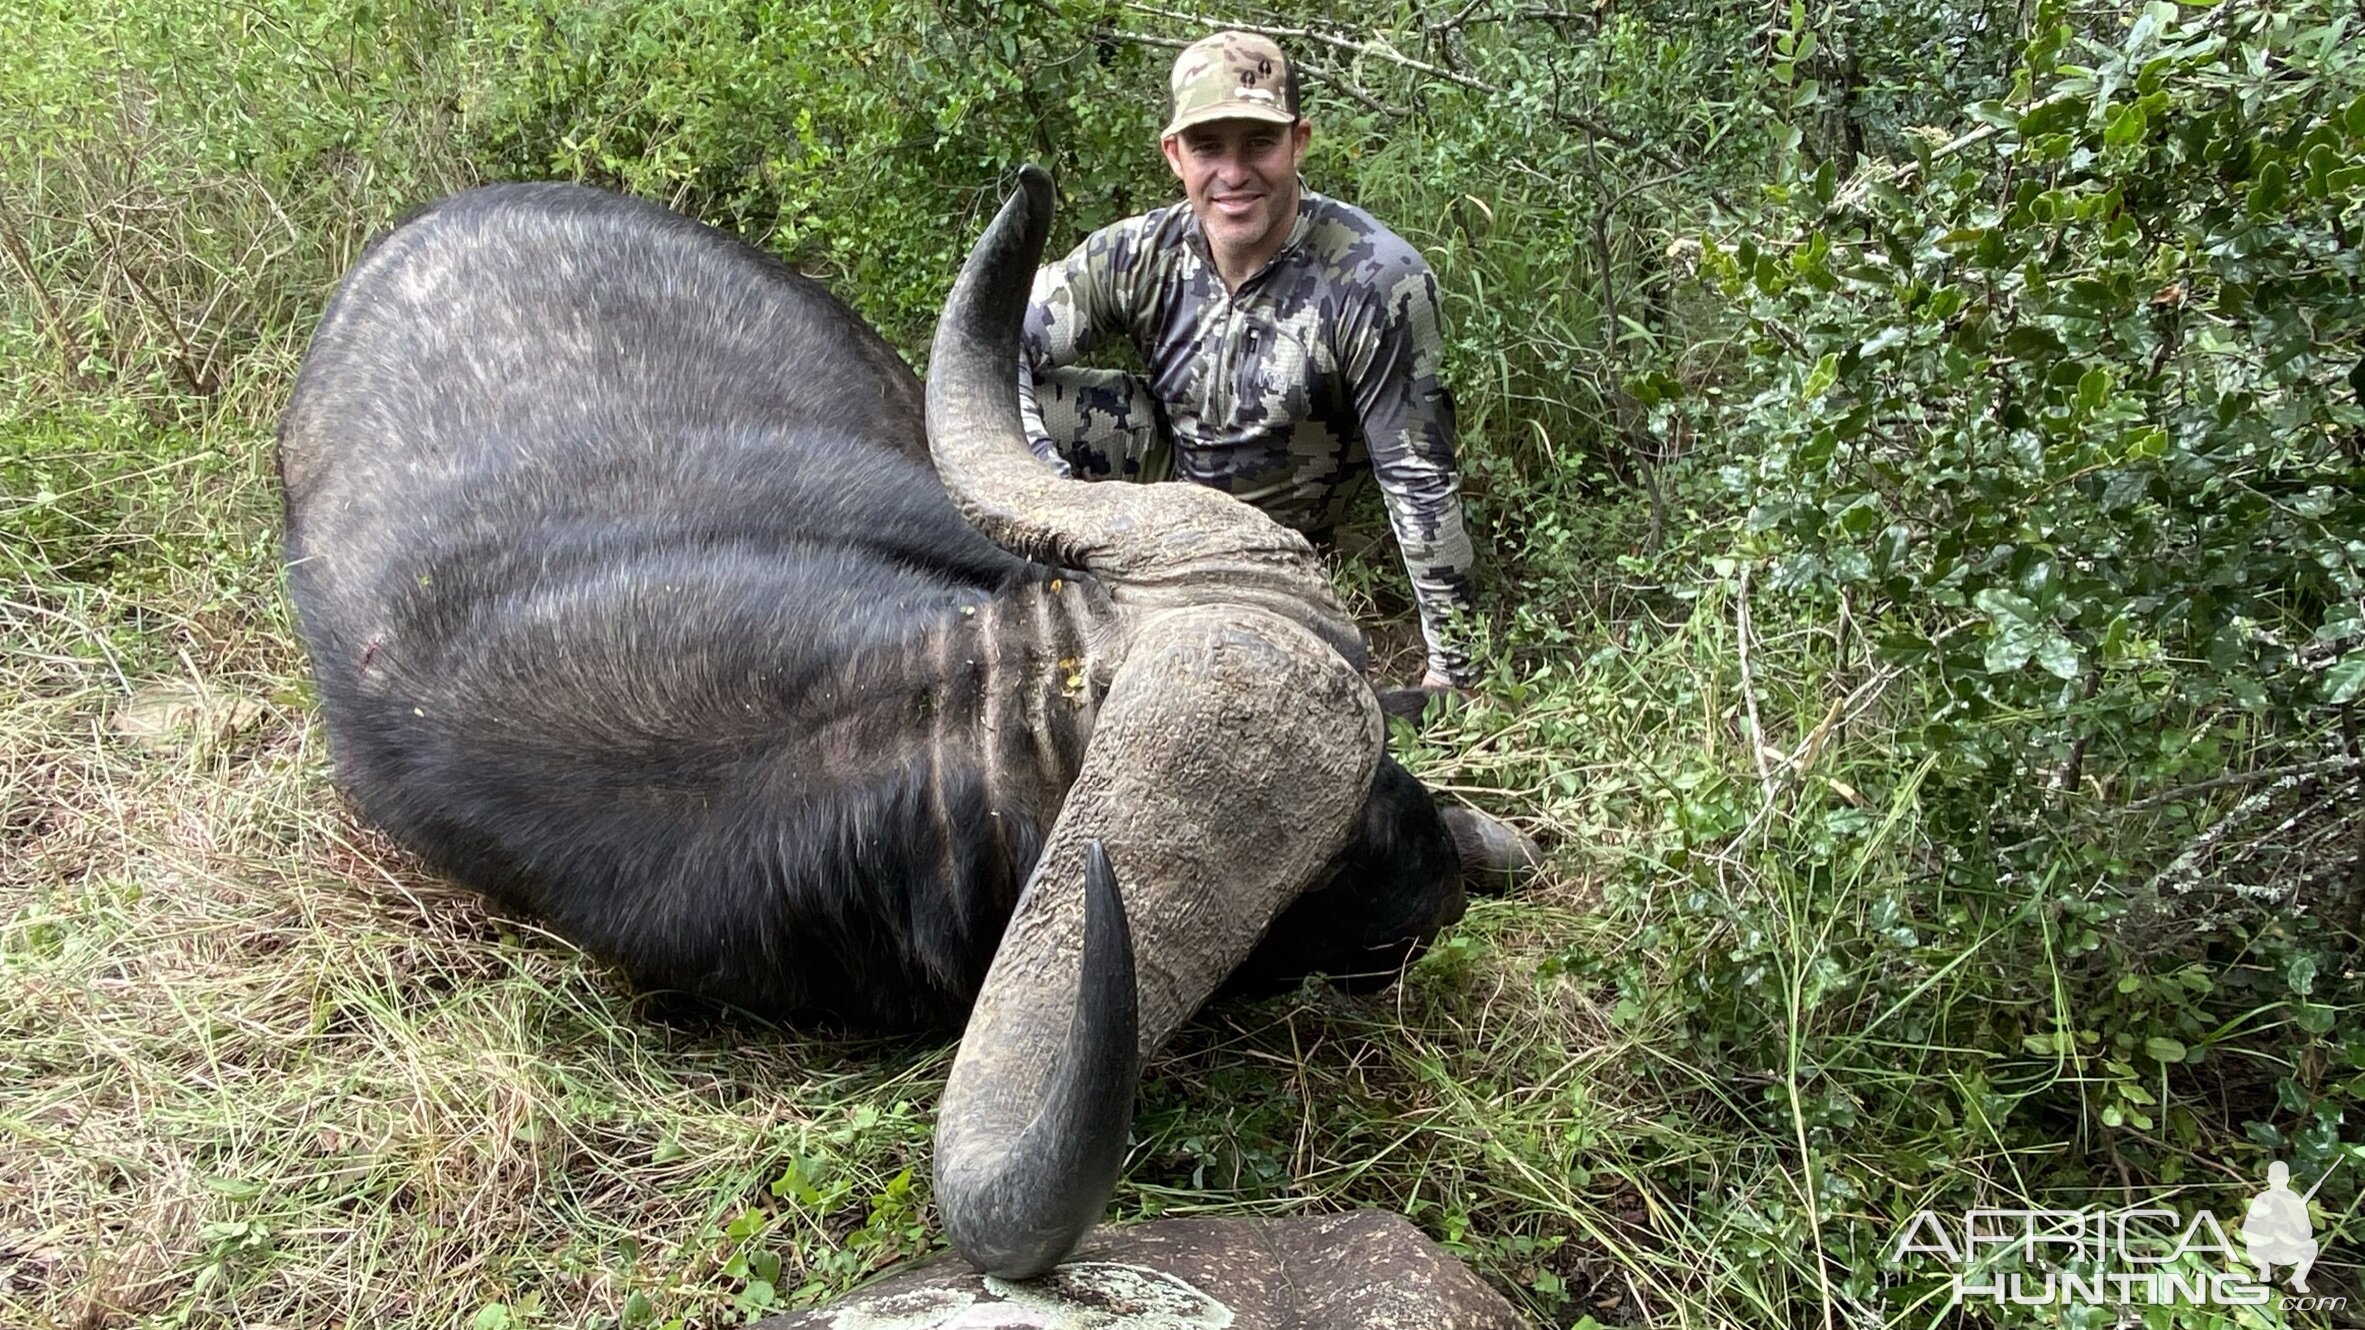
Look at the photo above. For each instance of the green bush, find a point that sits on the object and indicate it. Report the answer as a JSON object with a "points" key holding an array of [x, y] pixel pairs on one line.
{"points": [[2066, 412], [866, 140], [2048, 465]]}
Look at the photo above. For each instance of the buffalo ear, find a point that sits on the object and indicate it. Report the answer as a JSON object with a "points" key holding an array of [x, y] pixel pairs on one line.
{"points": [[1495, 856]]}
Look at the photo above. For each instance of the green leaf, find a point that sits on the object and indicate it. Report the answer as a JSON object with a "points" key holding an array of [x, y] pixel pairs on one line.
{"points": [[2356, 116], [1893, 335], [2164, 1049], [2031, 342], [2301, 975], [1994, 113], [1821, 377], [2272, 187], [2345, 680], [2005, 607], [2322, 161], [2124, 126], [2094, 388], [2054, 114], [2058, 657], [2147, 28], [492, 1316], [2017, 635]]}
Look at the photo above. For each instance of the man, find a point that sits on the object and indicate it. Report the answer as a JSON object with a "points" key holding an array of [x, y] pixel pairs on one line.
{"points": [[1291, 341]]}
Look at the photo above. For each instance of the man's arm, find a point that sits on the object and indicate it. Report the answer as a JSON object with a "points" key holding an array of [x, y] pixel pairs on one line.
{"points": [[1395, 355], [1077, 304]]}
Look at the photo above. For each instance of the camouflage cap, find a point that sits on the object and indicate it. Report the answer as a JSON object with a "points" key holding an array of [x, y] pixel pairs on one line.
{"points": [[1232, 76]]}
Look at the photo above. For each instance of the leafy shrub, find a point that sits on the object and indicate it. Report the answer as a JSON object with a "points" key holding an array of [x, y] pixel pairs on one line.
{"points": [[865, 139], [2068, 409], [2049, 462]]}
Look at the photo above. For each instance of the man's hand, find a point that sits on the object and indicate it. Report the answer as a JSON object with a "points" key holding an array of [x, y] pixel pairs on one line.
{"points": [[1412, 703]]}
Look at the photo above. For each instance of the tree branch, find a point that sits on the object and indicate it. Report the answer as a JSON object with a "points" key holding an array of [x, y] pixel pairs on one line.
{"points": [[1380, 50], [1328, 78]]}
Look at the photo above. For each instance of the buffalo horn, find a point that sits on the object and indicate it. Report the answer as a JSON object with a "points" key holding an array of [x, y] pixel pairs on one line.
{"points": [[1015, 1211]]}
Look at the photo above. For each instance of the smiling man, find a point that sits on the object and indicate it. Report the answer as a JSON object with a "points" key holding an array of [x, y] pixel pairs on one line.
{"points": [[1291, 341]]}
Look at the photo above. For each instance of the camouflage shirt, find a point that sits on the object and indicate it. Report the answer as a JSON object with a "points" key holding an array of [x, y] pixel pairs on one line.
{"points": [[1321, 370]]}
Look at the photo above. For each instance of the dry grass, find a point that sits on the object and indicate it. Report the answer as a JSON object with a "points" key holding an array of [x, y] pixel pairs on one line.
{"points": [[270, 1073], [273, 1074]]}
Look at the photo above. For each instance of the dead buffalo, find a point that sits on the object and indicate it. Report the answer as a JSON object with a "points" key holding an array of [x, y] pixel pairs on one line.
{"points": [[635, 603]]}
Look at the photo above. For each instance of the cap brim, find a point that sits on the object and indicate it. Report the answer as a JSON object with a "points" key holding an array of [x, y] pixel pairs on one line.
{"points": [[1271, 115]]}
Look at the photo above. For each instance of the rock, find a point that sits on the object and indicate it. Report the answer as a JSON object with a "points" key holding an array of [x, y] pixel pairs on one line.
{"points": [[176, 716], [1361, 1271]]}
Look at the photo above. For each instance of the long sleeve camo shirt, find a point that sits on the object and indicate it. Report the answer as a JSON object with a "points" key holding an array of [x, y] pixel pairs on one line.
{"points": [[1321, 368]]}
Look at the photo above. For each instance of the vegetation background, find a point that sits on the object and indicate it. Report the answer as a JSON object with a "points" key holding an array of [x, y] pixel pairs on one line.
{"points": [[1917, 452]]}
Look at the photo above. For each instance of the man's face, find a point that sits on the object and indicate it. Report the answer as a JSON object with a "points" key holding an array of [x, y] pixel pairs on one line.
{"points": [[1241, 179]]}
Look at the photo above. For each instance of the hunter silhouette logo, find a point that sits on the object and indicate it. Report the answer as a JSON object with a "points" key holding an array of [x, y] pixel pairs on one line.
{"points": [[2276, 1229]]}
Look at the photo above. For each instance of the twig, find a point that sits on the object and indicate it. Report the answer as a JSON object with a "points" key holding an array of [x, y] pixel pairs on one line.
{"points": [[194, 374], [69, 347], [2065, 780], [1380, 50], [2315, 768], [1443, 27], [1328, 78], [1811, 747], [1757, 732], [2183, 873]]}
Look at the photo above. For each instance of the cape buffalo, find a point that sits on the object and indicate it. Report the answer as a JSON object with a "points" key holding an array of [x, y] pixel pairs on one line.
{"points": [[646, 593]]}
